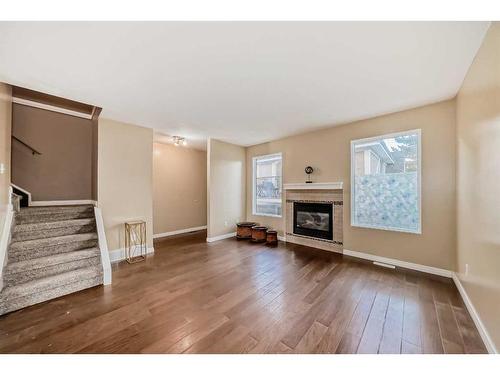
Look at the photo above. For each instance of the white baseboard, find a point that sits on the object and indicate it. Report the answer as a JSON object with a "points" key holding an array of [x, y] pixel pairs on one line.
{"points": [[63, 203], [282, 238], [180, 231], [488, 342], [400, 263], [221, 237], [118, 255]]}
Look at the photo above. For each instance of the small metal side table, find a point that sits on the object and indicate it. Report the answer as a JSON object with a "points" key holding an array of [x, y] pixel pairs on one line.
{"points": [[135, 241]]}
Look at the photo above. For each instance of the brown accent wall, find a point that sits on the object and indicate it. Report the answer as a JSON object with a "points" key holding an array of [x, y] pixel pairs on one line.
{"points": [[478, 183], [64, 170], [179, 188], [328, 152]]}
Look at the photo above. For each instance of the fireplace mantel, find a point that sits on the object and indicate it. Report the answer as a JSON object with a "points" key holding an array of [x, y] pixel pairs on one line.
{"points": [[313, 186]]}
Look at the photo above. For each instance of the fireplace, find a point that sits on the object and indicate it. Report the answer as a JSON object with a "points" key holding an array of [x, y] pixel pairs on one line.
{"points": [[313, 219]]}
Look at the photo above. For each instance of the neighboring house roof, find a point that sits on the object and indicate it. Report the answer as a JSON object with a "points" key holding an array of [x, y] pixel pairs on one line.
{"points": [[378, 148]]}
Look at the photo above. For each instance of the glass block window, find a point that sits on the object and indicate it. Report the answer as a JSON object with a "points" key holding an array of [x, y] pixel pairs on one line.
{"points": [[267, 185], [385, 182]]}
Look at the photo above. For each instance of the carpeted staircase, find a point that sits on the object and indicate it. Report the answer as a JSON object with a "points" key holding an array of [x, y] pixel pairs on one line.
{"points": [[53, 251]]}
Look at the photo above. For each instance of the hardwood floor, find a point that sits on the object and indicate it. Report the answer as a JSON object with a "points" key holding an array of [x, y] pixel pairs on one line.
{"points": [[238, 297]]}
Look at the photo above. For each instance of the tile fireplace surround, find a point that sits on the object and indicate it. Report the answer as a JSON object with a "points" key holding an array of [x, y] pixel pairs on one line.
{"points": [[331, 193]]}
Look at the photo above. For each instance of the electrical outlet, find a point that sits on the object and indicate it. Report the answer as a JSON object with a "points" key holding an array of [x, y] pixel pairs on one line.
{"points": [[225, 223], [2, 168], [466, 269]]}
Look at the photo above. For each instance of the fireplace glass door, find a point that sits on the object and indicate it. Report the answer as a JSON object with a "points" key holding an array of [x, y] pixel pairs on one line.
{"points": [[313, 219]]}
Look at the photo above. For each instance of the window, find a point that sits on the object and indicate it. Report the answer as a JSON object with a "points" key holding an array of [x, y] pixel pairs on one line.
{"points": [[267, 183], [385, 182]]}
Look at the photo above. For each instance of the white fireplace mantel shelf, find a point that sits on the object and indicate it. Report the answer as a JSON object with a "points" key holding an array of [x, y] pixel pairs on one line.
{"points": [[313, 186]]}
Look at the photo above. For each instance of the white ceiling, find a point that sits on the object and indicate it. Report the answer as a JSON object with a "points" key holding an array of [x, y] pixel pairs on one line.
{"points": [[242, 82]]}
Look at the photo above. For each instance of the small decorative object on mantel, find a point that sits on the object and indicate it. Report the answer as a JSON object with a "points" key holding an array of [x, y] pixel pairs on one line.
{"points": [[244, 230], [272, 238], [135, 241], [259, 234], [309, 170]]}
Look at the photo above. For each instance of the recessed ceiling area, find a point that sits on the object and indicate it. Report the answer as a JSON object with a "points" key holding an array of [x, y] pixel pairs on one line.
{"points": [[241, 82]]}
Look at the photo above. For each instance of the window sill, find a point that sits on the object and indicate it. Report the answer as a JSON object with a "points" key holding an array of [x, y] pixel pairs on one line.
{"points": [[267, 215], [419, 231]]}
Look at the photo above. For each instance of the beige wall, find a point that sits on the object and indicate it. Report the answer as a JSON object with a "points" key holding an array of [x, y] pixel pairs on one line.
{"points": [[328, 152], [225, 187], [64, 170], [125, 177], [179, 188], [5, 132], [478, 182]]}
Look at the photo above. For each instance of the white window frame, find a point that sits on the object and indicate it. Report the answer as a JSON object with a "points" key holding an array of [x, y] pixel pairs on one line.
{"points": [[419, 179], [254, 183]]}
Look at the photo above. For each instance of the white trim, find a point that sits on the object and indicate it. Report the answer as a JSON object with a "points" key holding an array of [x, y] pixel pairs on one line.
{"points": [[282, 238], [419, 180], [400, 263], [63, 203], [385, 265], [275, 156], [103, 246], [180, 231], [221, 237], [51, 108], [118, 255], [269, 157], [314, 186], [268, 215], [5, 238], [488, 342], [24, 191]]}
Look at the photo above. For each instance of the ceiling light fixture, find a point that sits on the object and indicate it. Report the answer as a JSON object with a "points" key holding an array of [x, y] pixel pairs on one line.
{"points": [[179, 140]]}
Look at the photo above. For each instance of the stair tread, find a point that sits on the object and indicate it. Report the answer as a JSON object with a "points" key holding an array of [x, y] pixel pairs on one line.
{"points": [[50, 260], [47, 283], [24, 212], [52, 225], [38, 217], [51, 241]]}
